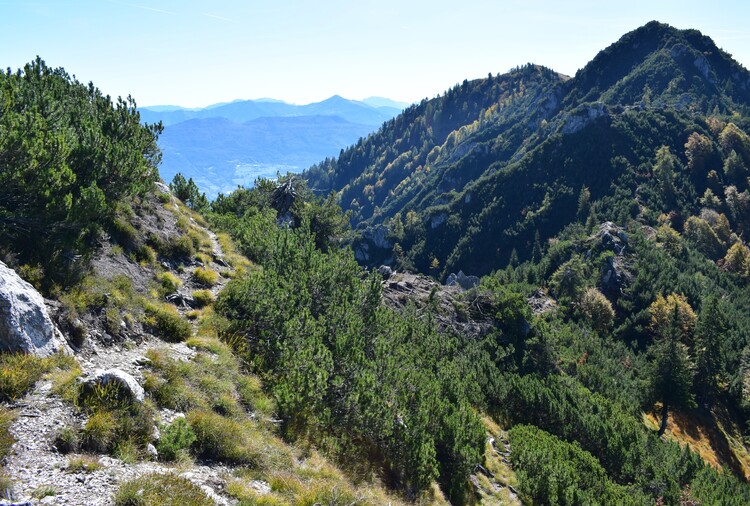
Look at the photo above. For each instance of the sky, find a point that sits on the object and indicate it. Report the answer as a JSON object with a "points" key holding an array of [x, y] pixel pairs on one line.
{"points": [[195, 53]]}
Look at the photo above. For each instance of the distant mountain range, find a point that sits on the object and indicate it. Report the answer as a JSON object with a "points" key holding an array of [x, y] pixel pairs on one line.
{"points": [[228, 144]]}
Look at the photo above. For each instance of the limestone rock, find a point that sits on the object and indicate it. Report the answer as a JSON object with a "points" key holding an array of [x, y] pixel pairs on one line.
{"points": [[462, 280], [125, 381], [25, 324]]}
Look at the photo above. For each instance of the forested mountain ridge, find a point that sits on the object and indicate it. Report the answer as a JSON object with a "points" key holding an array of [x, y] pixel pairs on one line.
{"points": [[493, 164]]}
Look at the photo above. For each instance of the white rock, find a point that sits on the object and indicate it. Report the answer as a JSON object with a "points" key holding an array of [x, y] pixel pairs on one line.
{"points": [[216, 498], [123, 379], [25, 325]]}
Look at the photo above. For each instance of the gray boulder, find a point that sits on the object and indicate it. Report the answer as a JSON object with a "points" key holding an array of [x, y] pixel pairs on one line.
{"points": [[25, 324], [127, 384], [462, 280], [385, 271]]}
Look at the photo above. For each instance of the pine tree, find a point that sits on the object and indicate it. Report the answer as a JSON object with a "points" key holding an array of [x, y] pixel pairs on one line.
{"points": [[670, 376], [709, 348]]}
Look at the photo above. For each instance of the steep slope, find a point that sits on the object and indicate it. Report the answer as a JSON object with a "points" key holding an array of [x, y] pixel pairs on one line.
{"points": [[78, 449], [463, 180]]}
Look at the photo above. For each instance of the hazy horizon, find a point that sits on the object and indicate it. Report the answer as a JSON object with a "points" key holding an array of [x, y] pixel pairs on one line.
{"points": [[193, 54]]}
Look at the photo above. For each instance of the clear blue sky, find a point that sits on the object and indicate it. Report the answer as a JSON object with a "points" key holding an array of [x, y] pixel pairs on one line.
{"points": [[195, 53]]}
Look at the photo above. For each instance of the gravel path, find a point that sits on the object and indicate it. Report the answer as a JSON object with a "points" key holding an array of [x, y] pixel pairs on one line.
{"points": [[36, 467]]}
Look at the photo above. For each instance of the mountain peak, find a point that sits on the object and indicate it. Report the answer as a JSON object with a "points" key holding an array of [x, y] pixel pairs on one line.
{"points": [[665, 65]]}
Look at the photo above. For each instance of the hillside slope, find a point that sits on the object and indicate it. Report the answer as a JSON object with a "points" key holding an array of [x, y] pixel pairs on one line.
{"points": [[117, 319], [493, 165]]}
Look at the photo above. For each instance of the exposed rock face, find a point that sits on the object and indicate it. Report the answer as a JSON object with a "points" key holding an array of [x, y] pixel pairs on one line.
{"points": [[582, 117], [615, 275], [438, 220], [610, 237], [25, 324], [378, 235], [127, 383], [541, 303], [456, 311], [385, 271], [462, 280]]}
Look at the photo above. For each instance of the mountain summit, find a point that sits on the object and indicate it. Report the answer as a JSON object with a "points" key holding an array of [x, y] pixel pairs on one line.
{"points": [[499, 164], [663, 65]]}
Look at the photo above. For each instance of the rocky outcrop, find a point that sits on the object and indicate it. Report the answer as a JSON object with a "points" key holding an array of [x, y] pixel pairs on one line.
{"points": [[462, 280], [385, 271], [615, 275], [456, 311], [541, 303], [610, 237], [582, 117], [25, 324]]}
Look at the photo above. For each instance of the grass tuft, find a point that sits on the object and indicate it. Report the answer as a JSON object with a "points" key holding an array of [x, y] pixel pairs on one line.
{"points": [[205, 277], [167, 322], [203, 297], [157, 489], [6, 438], [83, 464]]}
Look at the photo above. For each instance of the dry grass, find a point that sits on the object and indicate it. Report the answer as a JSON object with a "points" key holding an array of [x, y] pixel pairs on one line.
{"points": [[6, 438], [83, 463], [311, 480], [714, 435], [496, 490]]}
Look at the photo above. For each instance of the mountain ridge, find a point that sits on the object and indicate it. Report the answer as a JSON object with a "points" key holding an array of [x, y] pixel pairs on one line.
{"points": [[245, 110], [480, 171]]}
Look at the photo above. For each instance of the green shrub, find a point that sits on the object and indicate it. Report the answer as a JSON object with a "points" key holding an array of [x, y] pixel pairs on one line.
{"points": [[205, 277], [34, 274], [117, 424], [124, 233], [222, 438], [175, 439], [160, 489], [146, 255], [179, 248], [100, 431], [167, 322], [6, 438], [127, 450], [203, 297], [18, 373], [552, 471], [66, 441], [182, 223]]}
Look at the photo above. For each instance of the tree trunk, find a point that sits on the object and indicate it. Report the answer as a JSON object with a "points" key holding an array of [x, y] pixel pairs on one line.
{"points": [[664, 415]]}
